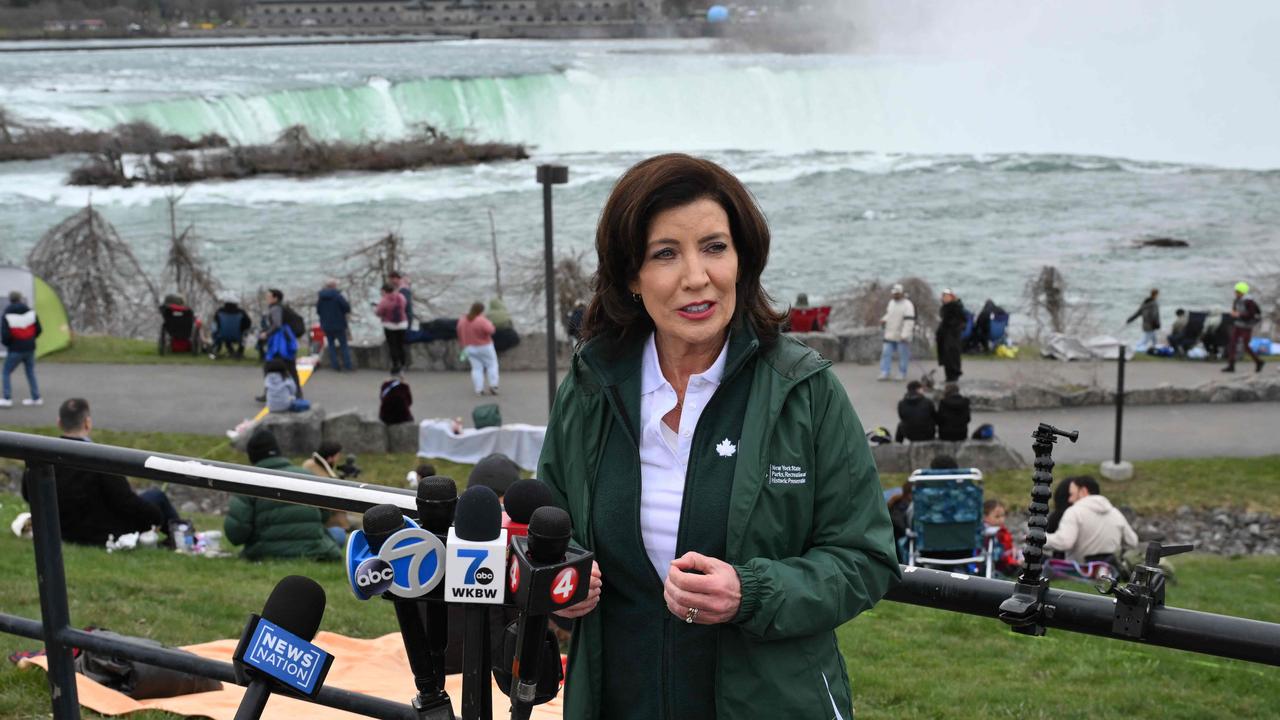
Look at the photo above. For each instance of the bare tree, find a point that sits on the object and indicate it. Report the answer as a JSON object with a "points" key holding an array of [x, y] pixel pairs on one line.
{"points": [[497, 265], [185, 268], [100, 281], [573, 283], [369, 265], [864, 305]]}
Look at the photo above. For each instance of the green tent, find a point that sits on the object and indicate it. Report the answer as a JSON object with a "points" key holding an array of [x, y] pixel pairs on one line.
{"points": [[55, 329]]}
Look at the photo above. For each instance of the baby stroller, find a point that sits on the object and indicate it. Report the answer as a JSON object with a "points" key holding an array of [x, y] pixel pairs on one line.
{"points": [[946, 525], [179, 329]]}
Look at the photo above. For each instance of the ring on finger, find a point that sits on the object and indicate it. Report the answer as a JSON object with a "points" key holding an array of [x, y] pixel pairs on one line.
{"points": [[691, 615]]}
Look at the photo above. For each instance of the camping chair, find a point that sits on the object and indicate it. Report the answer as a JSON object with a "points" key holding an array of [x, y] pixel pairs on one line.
{"points": [[946, 524], [811, 319], [1190, 334], [179, 329]]}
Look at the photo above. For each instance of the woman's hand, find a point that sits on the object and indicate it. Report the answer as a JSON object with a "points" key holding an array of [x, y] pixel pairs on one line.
{"points": [[710, 585], [593, 597]]}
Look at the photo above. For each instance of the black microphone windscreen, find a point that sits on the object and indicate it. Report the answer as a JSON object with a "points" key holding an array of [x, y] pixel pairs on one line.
{"points": [[296, 604], [479, 515], [549, 531], [437, 488], [525, 496], [380, 522]]}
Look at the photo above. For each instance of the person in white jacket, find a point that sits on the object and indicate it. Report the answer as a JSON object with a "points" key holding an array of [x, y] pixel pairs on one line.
{"points": [[1092, 528], [899, 324]]}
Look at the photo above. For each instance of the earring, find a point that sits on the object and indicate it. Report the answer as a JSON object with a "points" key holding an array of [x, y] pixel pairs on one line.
{"points": [[635, 297]]}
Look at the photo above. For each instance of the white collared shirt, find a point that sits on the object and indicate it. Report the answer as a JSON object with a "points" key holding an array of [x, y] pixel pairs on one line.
{"points": [[664, 453]]}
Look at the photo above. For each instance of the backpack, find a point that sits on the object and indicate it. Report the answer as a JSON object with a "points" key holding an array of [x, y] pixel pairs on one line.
{"points": [[294, 321], [985, 431], [484, 416]]}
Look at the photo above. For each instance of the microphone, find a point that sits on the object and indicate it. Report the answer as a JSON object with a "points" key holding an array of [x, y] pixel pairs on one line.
{"points": [[275, 653], [522, 498], [381, 524], [549, 531], [476, 552], [437, 498], [475, 558]]}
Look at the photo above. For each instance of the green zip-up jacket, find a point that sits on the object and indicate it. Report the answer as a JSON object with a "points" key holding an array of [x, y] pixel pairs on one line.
{"points": [[808, 532], [270, 528]]}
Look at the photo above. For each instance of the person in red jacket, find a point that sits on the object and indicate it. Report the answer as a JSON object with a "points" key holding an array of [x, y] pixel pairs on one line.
{"points": [[1007, 561], [19, 329]]}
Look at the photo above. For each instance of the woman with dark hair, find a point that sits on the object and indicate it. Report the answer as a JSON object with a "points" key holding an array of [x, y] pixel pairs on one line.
{"points": [[716, 468], [475, 335]]}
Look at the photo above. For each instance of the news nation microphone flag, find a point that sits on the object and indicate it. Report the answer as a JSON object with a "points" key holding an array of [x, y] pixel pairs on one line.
{"points": [[409, 564]]}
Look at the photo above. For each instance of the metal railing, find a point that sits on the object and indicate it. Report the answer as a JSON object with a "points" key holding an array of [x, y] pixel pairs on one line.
{"points": [[1190, 630]]}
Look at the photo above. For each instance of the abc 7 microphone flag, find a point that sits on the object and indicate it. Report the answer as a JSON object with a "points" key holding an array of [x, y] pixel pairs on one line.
{"points": [[409, 565]]}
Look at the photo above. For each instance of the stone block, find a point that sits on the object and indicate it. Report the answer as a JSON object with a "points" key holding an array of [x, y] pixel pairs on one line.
{"points": [[892, 458], [531, 353], [355, 433], [402, 438], [986, 395], [923, 453], [1233, 393], [827, 344], [298, 434], [989, 455], [370, 357], [1087, 397], [861, 345], [1035, 397]]}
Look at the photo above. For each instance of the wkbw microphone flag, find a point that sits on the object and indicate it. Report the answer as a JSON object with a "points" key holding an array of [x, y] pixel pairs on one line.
{"points": [[474, 569], [410, 563], [296, 664]]}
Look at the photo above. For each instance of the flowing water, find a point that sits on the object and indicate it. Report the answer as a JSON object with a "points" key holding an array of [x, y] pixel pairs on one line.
{"points": [[969, 149]]}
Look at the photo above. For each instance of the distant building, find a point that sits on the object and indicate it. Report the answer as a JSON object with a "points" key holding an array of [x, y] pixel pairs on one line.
{"points": [[457, 15]]}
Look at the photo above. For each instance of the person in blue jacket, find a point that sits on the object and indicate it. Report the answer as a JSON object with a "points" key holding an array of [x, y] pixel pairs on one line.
{"points": [[333, 310]]}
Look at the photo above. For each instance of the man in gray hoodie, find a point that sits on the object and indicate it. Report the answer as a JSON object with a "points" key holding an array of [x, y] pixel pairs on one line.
{"points": [[1091, 528]]}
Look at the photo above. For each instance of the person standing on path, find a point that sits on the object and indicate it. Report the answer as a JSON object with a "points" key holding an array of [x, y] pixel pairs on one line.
{"points": [[1149, 311], [19, 329], [395, 321], [1245, 314], [948, 335], [333, 309], [279, 340], [899, 324], [475, 335], [401, 284]]}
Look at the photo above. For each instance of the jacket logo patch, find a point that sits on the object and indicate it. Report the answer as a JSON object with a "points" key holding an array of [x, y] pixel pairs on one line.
{"points": [[726, 449], [787, 475]]}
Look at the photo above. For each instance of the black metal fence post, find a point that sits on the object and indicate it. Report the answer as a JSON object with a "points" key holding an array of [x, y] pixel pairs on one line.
{"points": [[52, 582], [1119, 404], [549, 175]]}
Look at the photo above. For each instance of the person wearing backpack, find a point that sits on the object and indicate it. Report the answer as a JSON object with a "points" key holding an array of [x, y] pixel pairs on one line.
{"points": [[230, 324], [391, 311], [280, 339], [1246, 316], [333, 310]]}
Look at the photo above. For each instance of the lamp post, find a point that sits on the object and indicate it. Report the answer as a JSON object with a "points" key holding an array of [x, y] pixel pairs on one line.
{"points": [[549, 175]]}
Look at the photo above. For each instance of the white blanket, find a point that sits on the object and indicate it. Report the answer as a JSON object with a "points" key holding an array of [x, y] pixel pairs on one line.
{"points": [[521, 443]]}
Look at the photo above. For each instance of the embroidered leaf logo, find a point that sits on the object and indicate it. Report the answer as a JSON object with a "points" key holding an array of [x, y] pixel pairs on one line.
{"points": [[726, 448]]}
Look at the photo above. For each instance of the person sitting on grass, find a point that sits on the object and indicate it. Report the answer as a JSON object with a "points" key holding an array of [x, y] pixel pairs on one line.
{"points": [[424, 470], [324, 462], [1006, 561], [395, 399], [270, 528], [95, 505], [281, 390], [1092, 528]]}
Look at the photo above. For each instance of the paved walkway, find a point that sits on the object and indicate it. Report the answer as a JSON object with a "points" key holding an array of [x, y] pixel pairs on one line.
{"points": [[212, 399]]}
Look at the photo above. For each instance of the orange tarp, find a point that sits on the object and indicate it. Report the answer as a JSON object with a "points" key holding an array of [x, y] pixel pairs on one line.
{"points": [[374, 667]]}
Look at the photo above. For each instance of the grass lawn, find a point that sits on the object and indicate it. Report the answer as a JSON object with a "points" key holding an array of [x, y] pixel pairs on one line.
{"points": [[1158, 486], [129, 351], [897, 654], [904, 661]]}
